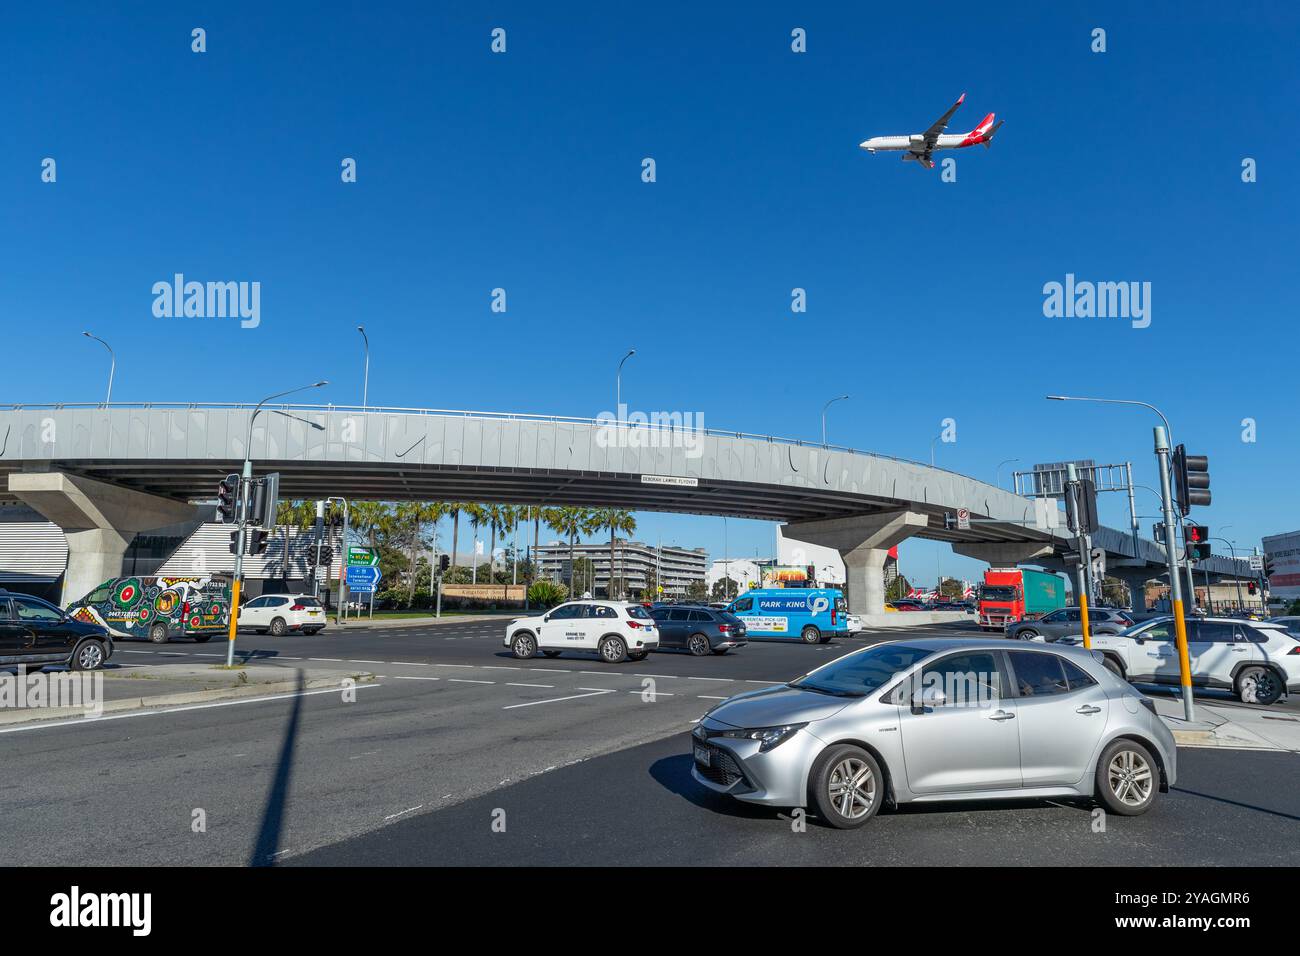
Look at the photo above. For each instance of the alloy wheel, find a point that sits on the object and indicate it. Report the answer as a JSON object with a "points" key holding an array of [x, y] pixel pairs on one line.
{"points": [[90, 657], [1130, 778], [852, 788]]}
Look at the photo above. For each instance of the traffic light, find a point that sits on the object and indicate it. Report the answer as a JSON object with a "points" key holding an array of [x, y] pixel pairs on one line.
{"points": [[1250, 587], [1268, 567], [234, 542], [444, 562], [227, 499], [257, 540], [1081, 506], [1191, 479], [1197, 539]]}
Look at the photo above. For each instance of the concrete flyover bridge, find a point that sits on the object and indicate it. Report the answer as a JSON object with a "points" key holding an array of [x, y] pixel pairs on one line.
{"points": [[106, 473]]}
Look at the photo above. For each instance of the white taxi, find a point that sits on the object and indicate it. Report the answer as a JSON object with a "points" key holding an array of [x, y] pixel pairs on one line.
{"points": [[615, 630]]}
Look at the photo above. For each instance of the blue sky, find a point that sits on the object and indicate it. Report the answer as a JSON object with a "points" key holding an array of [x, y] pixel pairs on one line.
{"points": [[522, 171]]}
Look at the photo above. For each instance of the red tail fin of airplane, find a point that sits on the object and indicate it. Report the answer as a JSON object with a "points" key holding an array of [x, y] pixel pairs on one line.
{"points": [[983, 127]]}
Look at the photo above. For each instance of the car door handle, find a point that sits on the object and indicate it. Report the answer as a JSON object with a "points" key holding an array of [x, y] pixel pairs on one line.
{"points": [[1088, 709], [1001, 715]]}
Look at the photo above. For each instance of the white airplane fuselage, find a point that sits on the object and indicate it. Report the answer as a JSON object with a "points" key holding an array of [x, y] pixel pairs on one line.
{"points": [[917, 142]]}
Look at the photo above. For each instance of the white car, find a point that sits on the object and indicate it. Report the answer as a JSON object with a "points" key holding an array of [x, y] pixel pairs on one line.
{"points": [[1257, 660], [852, 623], [281, 613], [615, 630]]}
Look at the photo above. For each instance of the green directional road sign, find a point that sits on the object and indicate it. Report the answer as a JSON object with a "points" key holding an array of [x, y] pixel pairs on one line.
{"points": [[362, 558]]}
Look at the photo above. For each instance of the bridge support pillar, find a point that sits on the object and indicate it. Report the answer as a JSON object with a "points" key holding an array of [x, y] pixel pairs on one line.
{"points": [[1135, 579], [863, 541], [98, 519]]}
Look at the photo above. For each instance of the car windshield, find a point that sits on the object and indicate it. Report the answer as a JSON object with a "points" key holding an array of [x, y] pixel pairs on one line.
{"points": [[857, 675], [998, 594]]}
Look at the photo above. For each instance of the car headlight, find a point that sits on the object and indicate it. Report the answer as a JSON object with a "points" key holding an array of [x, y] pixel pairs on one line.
{"points": [[768, 737]]}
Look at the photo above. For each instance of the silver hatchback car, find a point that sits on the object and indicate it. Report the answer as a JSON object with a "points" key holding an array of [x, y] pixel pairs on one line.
{"points": [[930, 720]]}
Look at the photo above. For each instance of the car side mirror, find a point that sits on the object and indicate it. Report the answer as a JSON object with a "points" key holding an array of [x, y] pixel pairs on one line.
{"points": [[545, 618], [928, 697]]}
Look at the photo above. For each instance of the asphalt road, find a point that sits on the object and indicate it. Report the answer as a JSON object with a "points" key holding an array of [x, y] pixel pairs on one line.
{"points": [[454, 727], [640, 807]]}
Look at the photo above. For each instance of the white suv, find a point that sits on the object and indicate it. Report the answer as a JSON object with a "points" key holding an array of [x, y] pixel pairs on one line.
{"points": [[616, 630], [1257, 660], [281, 613]]}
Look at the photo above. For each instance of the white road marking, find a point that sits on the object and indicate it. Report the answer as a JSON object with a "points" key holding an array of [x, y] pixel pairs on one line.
{"points": [[556, 700], [458, 680], [723, 679], [709, 697], [408, 663], [400, 677], [394, 816], [332, 660], [549, 686], [86, 721]]}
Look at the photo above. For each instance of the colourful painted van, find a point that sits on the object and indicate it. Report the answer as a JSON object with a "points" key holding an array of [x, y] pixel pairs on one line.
{"points": [[158, 608]]}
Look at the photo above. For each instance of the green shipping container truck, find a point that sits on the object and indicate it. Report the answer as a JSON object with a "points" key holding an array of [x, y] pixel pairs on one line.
{"points": [[1011, 595]]}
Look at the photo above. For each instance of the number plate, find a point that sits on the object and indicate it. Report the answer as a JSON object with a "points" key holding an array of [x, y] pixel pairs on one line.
{"points": [[702, 756]]}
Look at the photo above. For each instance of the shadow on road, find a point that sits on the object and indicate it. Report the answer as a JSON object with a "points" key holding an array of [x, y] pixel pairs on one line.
{"points": [[268, 834]]}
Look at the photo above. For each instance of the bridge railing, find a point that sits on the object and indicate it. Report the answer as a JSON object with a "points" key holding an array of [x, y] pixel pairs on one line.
{"points": [[466, 413]]}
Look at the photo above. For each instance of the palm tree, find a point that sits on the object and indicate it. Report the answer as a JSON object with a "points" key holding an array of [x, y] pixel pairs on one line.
{"points": [[368, 518], [477, 516], [569, 522], [533, 513], [615, 519], [454, 508], [299, 514]]}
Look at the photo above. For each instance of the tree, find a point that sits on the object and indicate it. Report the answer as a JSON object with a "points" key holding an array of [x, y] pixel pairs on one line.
{"points": [[297, 514], [724, 589], [951, 589], [415, 517], [454, 508], [532, 513], [476, 517], [569, 522], [898, 589], [696, 591], [615, 519]]}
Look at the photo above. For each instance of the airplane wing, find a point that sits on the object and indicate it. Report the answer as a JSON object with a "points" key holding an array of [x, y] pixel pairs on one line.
{"points": [[932, 134]]}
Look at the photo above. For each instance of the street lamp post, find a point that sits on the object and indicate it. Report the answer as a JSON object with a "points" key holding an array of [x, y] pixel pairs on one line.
{"points": [[998, 479], [839, 398], [365, 384], [241, 533], [112, 366], [1163, 440], [618, 393]]}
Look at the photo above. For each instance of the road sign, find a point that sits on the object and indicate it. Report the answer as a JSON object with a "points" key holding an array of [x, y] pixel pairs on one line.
{"points": [[963, 519], [362, 557], [1257, 562], [362, 577]]}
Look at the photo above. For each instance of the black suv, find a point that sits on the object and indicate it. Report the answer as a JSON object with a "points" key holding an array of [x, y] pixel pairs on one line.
{"points": [[698, 628], [36, 633]]}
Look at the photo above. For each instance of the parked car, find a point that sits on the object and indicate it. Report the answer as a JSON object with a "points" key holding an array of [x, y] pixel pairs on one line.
{"points": [[907, 604], [35, 633], [1068, 622], [1291, 623], [699, 629], [852, 623], [158, 608], [282, 613], [939, 719], [1258, 660], [616, 630]]}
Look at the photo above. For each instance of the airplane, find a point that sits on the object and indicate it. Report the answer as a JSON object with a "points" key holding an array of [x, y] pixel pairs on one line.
{"points": [[920, 146]]}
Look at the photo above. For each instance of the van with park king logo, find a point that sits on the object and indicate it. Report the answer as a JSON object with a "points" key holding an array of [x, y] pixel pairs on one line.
{"points": [[158, 608], [815, 615]]}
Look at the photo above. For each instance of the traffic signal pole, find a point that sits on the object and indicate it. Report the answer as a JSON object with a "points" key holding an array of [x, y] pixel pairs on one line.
{"points": [[245, 489], [1175, 585], [1084, 546]]}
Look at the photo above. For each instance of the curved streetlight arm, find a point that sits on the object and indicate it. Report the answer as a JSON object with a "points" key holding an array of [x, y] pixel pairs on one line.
{"points": [[838, 398], [618, 387], [365, 383], [112, 364]]}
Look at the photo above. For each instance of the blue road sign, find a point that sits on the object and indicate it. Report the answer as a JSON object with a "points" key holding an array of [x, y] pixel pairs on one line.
{"points": [[362, 577]]}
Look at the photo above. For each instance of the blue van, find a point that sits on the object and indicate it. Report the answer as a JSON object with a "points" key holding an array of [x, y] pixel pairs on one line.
{"points": [[814, 614]]}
